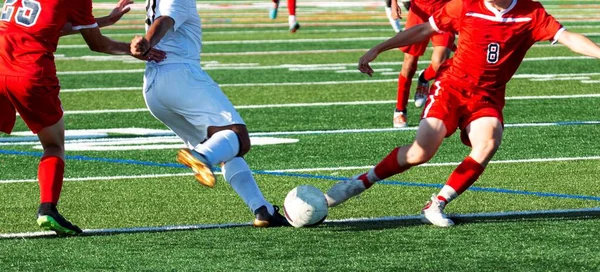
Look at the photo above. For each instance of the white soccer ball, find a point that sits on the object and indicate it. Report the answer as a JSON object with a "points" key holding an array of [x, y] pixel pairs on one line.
{"points": [[305, 206]]}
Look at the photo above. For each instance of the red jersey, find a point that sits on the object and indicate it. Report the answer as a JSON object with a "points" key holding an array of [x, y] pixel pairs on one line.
{"points": [[29, 32], [492, 44], [428, 6]]}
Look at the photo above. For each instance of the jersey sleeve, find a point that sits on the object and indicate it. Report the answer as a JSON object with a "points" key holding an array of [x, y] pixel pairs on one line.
{"points": [[81, 16], [546, 28], [447, 18], [176, 9]]}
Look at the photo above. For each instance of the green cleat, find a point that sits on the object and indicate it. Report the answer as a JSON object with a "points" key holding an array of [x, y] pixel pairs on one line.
{"points": [[50, 219]]}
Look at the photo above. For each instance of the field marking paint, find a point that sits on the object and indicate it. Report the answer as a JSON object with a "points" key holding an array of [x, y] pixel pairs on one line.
{"points": [[400, 220], [327, 104], [94, 137], [340, 67], [304, 170], [311, 176]]}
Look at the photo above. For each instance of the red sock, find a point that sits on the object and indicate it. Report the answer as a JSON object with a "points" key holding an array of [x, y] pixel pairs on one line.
{"points": [[50, 176], [389, 165], [429, 73], [462, 178], [292, 7], [403, 92]]}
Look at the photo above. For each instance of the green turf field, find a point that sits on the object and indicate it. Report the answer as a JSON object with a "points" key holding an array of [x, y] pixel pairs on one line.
{"points": [[122, 177]]}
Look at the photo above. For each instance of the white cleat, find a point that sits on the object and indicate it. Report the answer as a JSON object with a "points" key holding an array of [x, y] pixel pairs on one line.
{"points": [[344, 190], [421, 93], [399, 119], [433, 213]]}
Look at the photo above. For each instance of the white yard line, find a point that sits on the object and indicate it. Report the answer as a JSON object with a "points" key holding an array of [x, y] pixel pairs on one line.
{"points": [[304, 170], [400, 220], [303, 67], [326, 104]]}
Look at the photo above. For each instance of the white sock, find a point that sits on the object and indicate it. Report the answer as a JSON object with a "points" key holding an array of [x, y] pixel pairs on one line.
{"points": [[239, 176], [292, 20], [372, 177], [221, 147], [448, 193], [395, 23]]}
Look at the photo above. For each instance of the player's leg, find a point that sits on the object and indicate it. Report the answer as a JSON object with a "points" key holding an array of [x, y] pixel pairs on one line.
{"points": [[485, 135], [37, 102], [409, 67], [294, 26], [212, 129], [430, 134], [273, 10], [441, 52], [50, 176], [391, 7], [238, 174]]}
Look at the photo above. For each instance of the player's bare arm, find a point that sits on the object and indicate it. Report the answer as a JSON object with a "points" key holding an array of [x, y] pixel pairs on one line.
{"points": [[410, 36], [579, 44], [115, 15], [396, 11], [100, 43], [158, 29]]}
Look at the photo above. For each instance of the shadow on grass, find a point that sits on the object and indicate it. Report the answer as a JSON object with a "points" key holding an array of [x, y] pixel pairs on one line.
{"points": [[356, 224]]}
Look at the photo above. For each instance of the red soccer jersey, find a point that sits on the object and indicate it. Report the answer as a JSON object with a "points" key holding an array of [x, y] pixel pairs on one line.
{"points": [[29, 32], [492, 44], [428, 6]]}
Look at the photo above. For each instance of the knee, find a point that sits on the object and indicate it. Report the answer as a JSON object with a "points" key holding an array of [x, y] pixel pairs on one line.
{"points": [[484, 150], [244, 140], [418, 155]]}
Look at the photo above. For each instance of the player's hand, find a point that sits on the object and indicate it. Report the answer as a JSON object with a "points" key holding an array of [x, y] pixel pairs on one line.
{"points": [[396, 11], [139, 46], [120, 10], [363, 63], [153, 55]]}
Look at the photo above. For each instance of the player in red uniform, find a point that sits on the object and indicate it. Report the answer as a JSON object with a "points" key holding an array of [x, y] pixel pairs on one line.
{"points": [[420, 11], [291, 5], [29, 33], [468, 93]]}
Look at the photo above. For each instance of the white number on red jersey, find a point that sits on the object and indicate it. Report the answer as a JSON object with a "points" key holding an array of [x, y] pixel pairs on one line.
{"points": [[493, 53], [27, 15]]}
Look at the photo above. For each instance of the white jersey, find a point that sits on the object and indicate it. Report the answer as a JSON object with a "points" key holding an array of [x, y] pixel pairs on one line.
{"points": [[183, 42]]}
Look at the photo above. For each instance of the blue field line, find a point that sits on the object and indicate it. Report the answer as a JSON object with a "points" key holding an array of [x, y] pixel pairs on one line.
{"points": [[311, 176], [85, 158]]}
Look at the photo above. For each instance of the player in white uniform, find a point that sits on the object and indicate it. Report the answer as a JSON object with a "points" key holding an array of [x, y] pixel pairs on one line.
{"points": [[182, 96]]}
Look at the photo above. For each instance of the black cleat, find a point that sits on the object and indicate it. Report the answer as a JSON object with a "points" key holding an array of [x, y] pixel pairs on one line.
{"points": [[265, 220], [50, 219], [294, 28]]}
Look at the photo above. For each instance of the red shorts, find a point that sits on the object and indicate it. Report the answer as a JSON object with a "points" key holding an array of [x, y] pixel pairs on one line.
{"points": [[36, 100], [416, 16], [458, 107]]}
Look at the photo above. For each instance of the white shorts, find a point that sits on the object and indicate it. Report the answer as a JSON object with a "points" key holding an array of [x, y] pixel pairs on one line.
{"points": [[187, 100]]}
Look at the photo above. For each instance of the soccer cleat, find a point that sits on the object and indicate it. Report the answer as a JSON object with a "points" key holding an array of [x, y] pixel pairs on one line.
{"points": [[433, 213], [344, 190], [48, 218], [273, 10], [264, 219], [399, 119], [200, 165], [294, 27], [421, 93]]}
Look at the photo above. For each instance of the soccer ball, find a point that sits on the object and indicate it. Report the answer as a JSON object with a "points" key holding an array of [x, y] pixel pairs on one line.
{"points": [[305, 206]]}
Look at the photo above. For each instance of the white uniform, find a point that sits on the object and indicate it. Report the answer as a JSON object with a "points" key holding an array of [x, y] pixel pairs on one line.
{"points": [[177, 91]]}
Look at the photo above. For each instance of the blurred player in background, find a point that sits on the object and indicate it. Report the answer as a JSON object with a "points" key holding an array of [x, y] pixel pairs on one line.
{"points": [[29, 33], [420, 11], [182, 96], [394, 13], [469, 90], [291, 5]]}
